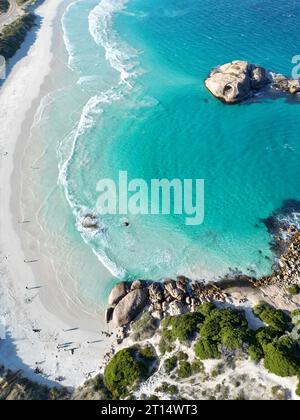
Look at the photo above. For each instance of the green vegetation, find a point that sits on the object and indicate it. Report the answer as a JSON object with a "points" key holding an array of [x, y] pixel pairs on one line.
{"points": [[255, 352], [184, 370], [298, 388], [197, 366], [294, 290], [181, 327], [4, 6], [167, 388], [170, 364], [13, 35], [206, 349], [93, 389], [15, 387], [271, 316], [127, 368], [144, 328], [280, 352], [222, 328], [282, 357], [206, 308], [21, 2]]}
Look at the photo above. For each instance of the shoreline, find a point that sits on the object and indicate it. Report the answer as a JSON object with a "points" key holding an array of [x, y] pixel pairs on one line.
{"points": [[37, 320]]}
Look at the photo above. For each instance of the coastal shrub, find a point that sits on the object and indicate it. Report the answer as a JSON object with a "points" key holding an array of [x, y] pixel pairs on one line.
{"points": [[167, 388], [228, 327], [125, 369], [144, 328], [206, 308], [183, 327], [298, 388], [170, 364], [181, 355], [184, 370], [295, 316], [206, 349], [93, 389], [255, 352], [233, 339], [4, 6], [165, 346], [197, 366], [147, 352], [272, 317], [21, 2], [282, 357], [295, 313], [14, 34], [266, 335], [294, 290]]}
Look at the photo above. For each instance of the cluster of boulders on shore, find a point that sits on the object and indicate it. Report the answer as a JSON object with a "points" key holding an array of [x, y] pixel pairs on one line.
{"points": [[238, 80], [288, 268], [175, 297]]}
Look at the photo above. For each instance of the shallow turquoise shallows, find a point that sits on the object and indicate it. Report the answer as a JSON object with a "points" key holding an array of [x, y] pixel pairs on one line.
{"points": [[139, 68]]}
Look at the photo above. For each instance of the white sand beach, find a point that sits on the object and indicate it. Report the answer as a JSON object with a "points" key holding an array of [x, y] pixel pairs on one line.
{"points": [[42, 324]]}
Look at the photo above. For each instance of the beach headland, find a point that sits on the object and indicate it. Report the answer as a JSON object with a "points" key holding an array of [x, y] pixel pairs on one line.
{"points": [[44, 326]]}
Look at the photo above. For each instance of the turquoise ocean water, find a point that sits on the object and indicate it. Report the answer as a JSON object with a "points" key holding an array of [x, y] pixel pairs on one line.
{"points": [[136, 102]]}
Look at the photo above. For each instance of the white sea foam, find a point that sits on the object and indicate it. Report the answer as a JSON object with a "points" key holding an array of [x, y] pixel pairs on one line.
{"points": [[124, 60]]}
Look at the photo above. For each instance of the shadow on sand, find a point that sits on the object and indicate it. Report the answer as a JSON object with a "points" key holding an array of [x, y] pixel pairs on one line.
{"points": [[8, 351]]}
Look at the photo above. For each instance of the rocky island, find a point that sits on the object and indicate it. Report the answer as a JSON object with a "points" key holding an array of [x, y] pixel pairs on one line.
{"points": [[239, 80]]}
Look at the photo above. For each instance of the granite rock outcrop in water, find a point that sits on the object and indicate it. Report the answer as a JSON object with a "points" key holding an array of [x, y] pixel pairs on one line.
{"points": [[239, 80]]}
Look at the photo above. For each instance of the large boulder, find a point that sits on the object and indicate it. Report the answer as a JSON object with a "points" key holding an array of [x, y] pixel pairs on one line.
{"points": [[236, 81], [156, 292], [294, 86], [130, 306], [177, 308], [118, 292], [230, 82], [90, 221], [172, 290]]}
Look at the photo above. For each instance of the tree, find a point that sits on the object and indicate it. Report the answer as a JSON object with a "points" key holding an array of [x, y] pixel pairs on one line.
{"points": [[123, 371], [206, 349], [282, 357], [271, 316]]}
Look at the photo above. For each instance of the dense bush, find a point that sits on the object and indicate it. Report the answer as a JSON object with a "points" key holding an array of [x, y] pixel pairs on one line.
{"points": [[184, 370], [170, 364], [183, 327], [222, 328], [181, 355], [255, 352], [206, 349], [282, 357], [266, 335], [271, 316], [144, 328], [294, 290], [13, 35], [227, 327], [4, 6], [206, 308], [197, 366], [128, 367], [298, 388]]}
